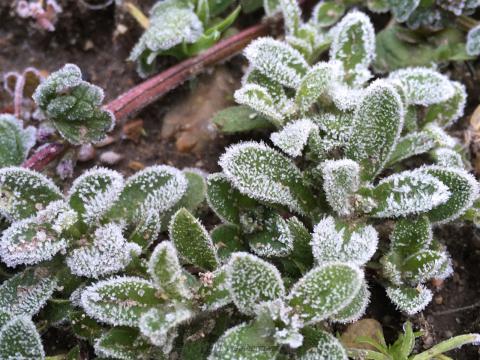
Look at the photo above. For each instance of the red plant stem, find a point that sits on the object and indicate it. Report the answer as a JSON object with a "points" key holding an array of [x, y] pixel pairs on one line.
{"points": [[42, 157], [151, 90]]}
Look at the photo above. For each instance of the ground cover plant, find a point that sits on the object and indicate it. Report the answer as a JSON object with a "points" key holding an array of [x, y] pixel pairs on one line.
{"points": [[335, 187]]}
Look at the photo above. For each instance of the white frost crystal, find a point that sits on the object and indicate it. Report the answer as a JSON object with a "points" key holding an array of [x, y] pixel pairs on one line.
{"points": [[341, 179], [410, 300], [109, 253], [335, 241], [294, 136]]}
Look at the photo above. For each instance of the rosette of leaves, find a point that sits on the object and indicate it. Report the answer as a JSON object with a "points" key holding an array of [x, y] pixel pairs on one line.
{"points": [[181, 28], [369, 151], [73, 106]]}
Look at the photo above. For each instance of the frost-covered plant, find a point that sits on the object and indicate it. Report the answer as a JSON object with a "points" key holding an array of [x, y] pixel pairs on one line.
{"points": [[357, 141], [180, 28], [73, 106], [45, 13]]}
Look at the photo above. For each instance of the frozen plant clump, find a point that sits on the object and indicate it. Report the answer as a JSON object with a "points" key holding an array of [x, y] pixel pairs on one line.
{"points": [[73, 106], [350, 136], [45, 13], [180, 28]]}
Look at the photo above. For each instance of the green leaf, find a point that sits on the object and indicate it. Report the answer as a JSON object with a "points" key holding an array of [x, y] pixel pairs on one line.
{"points": [[409, 193], [23, 192], [252, 281], [261, 100], [262, 173], [327, 348], [120, 301], [337, 240], [287, 67], [165, 270], [15, 142], [356, 309], [31, 241], [377, 126], [446, 113], [237, 119], [424, 86], [422, 265], [19, 339], [327, 13], [158, 324], [341, 180], [403, 9], [411, 235], [473, 41], [463, 189], [125, 344], [214, 291], [378, 6], [244, 342], [316, 84], [94, 192], [275, 239], [325, 290], [147, 229], [156, 188], [302, 250], [27, 292], [227, 239], [192, 241], [292, 16], [353, 45], [409, 145], [84, 327], [225, 200], [74, 354], [410, 300]]}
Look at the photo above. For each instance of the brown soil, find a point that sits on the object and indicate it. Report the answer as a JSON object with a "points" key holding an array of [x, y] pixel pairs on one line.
{"points": [[104, 64]]}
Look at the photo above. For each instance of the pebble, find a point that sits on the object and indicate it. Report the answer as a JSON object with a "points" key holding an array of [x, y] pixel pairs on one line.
{"points": [[439, 300], [111, 158], [86, 152], [105, 142]]}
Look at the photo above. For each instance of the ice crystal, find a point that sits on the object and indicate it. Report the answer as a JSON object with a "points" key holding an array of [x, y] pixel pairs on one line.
{"points": [[448, 158], [336, 241], [412, 144], [293, 137], [276, 239], [327, 13], [277, 60], [109, 253], [446, 113], [292, 16], [252, 281], [341, 179], [325, 290], [424, 86], [403, 9]]}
